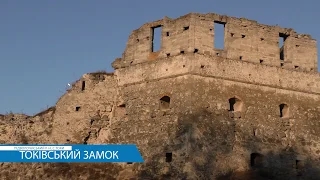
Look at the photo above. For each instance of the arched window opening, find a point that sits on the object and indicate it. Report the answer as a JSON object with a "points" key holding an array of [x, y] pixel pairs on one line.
{"points": [[165, 103], [299, 167], [256, 160], [284, 110], [235, 104]]}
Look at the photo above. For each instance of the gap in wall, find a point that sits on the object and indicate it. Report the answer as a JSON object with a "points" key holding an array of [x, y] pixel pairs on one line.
{"points": [[156, 38], [219, 35]]}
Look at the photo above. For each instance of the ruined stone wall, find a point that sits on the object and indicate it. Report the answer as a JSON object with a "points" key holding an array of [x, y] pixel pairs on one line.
{"points": [[194, 111], [244, 40], [206, 139], [198, 128], [18, 128], [82, 116], [221, 68], [85, 111], [199, 92], [79, 116]]}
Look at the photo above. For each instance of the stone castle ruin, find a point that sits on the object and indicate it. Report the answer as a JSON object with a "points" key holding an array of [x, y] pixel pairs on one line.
{"points": [[250, 110]]}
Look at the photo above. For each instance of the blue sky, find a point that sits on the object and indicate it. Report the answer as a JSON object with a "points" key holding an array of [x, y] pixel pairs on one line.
{"points": [[46, 44]]}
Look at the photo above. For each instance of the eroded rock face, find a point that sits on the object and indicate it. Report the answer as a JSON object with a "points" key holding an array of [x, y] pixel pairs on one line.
{"points": [[195, 112]]}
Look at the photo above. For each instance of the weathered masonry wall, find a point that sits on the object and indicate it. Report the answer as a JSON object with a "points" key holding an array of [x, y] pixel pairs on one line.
{"points": [[194, 111], [244, 40], [83, 114], [252, 104], [206, 139], [221, 68]]}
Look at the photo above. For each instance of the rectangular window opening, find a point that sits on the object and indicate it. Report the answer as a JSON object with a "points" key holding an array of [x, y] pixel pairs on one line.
{"points": [[83, 85], [168, 157], [156, 38], [219, 35], [282, 39]]}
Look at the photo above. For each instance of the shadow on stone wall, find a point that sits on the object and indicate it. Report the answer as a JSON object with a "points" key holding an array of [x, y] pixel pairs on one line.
{"points": [[63, 171], [202, 148]]}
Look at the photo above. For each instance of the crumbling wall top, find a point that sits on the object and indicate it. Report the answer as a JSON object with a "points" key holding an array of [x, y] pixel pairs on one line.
{"points": [[244, 39], [223, 18]]}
